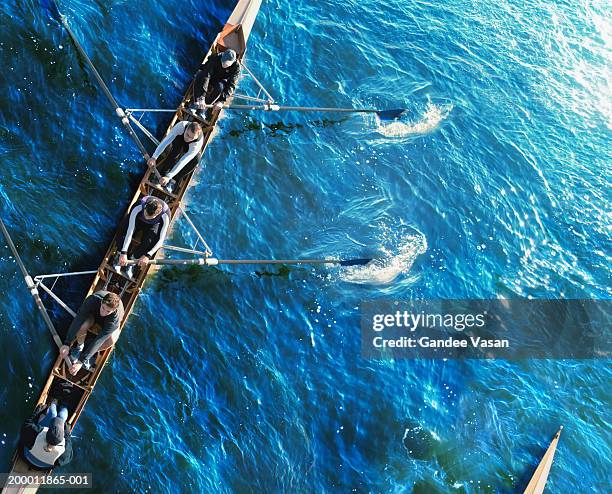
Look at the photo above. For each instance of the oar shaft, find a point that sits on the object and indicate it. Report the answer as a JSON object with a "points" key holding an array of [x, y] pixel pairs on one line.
{"points": [[90, 64], [211, 261], [278, 261], [118, 110], [11, 245], [381, 114], [31, 285], [273, 107]]}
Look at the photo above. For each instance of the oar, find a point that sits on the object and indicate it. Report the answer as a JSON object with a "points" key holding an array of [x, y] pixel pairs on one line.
{"points": [[32, 288], [212, 261], [382, 114], [53, 9]]}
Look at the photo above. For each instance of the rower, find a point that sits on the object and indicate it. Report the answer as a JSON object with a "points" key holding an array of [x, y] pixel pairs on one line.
{"points": [[186, 140], [102, 308], [216, 80], [151, 217], [45, 437]]}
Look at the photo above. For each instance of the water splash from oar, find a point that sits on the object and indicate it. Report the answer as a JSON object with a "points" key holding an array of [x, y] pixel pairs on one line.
{"points": [[390, 265], [430, 121]]}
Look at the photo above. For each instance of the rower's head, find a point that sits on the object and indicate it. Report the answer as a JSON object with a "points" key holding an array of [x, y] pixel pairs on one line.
{"points": [[109, 304], [55, 434], [193, 131], [152, 208], [228, 58]]}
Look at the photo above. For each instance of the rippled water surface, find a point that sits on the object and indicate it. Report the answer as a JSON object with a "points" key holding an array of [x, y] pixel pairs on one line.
{"points": [[494, 184]]}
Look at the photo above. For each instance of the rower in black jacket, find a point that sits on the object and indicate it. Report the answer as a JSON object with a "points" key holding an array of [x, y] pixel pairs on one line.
{"points": [[216, 80]]}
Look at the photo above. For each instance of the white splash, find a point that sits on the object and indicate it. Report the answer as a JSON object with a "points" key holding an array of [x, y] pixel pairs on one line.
{"points": [[429, 122], [390, 266]]}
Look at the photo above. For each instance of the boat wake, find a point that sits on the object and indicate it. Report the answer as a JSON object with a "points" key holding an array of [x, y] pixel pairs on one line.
{"points": [[430, 120], [390, 265]]}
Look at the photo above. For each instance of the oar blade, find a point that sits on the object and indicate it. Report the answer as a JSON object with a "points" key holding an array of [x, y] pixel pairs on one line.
{"points": [[391, 114], [355, 262], [52, 9]]}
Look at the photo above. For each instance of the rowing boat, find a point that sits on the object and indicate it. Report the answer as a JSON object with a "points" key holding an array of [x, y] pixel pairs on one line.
{"points": [[234, 35], [538, 481]]}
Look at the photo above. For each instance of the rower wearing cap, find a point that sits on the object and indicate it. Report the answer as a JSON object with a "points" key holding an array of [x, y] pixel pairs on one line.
{"points": [[151, 217], [185, 140], [216, 80]]}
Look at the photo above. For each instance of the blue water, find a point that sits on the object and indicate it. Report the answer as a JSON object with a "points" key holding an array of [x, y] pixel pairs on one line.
{"points": [[495, 184]]}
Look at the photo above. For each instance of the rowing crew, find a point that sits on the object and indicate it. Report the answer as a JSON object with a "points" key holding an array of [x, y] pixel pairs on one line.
{"points": [[45, 440], [149, 218], [214, 83]]}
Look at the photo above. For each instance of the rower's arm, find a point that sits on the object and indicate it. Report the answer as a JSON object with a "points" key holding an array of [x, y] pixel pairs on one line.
{"points": [[30, 428], [229, 88], [200, 85], [179, 128], [66, 456], [192, 152], [201, 81], [162, 235], [130, 229], [29, 432]]}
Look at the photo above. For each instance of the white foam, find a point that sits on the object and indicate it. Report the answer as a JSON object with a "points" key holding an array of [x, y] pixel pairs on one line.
{"points": [[383, 271], [430, 121]]}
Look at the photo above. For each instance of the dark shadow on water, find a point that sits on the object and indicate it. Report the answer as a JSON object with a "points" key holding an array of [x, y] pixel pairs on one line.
{"points": [[283, 272], [279, 129], [418, 441], [213, 279], [191, 276]]}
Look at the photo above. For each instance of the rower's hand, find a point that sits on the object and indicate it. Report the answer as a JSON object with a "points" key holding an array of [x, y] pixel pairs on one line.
{"points": [[218, 105], [76, 367], [164, 181], [63, 351], [200, 103], [123, 260], [151, 162], [143, 261]]}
